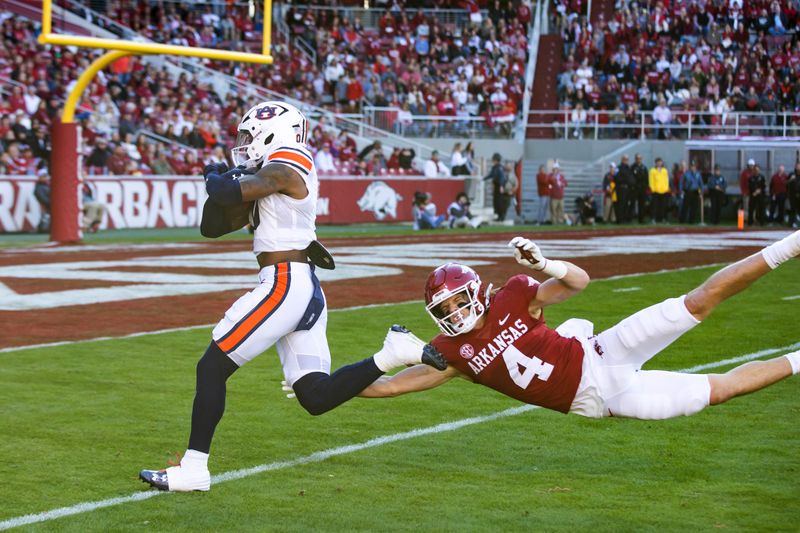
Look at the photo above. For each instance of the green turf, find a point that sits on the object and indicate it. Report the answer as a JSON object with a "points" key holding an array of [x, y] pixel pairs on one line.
{"points": [[79, 421]]}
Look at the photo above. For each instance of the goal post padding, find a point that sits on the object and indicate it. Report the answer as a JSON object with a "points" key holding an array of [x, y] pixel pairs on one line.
{"points": [[65, 212]]}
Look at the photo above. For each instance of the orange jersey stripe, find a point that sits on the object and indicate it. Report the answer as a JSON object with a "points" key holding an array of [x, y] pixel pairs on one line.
{"points": [[296, 157], [248, 325]]}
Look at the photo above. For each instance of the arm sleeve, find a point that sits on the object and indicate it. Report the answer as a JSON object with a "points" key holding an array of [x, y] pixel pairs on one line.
{"points": [[218, 220]]}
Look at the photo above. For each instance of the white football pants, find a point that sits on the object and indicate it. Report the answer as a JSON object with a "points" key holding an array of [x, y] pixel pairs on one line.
{"points": [[269, 314], [613, 383]]}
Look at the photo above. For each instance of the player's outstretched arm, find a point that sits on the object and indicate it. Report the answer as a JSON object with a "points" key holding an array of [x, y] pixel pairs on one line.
{"points": [[414, 379], [566, 279], [272, 178]]}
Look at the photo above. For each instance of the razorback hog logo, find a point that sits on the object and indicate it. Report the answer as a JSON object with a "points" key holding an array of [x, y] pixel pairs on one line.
{"points": [[380, 199]]}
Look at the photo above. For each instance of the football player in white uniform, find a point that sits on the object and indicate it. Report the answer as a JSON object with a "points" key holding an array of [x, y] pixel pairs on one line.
{"points": [[275, 185]]}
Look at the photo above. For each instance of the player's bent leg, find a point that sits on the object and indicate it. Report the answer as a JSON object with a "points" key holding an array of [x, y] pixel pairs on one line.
{"points": [[642, 335], [318, 393], [658, 395], [752, 376]]}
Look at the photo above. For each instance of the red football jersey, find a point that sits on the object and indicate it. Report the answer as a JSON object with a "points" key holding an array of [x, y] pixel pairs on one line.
{"points": [[516, 354]]}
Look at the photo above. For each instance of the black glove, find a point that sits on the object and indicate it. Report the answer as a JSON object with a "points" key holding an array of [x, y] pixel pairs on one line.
{"points": [[214, 168]]}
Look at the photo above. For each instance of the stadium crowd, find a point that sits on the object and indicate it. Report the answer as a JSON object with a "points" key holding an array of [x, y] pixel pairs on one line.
{"points": [[679, 62], [471, 67]]}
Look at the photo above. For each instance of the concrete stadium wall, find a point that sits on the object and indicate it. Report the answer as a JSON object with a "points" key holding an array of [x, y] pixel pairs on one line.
{"points": [[589, 150], [568, 150]]}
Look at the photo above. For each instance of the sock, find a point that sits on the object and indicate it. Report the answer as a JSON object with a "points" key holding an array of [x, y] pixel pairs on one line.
{"points": [[782, 251], [794, 360], [318, 393], [194, 459], [213, 370]]}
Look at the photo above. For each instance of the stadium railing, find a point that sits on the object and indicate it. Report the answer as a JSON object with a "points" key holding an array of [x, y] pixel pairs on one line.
{"points": [[685, 125]]}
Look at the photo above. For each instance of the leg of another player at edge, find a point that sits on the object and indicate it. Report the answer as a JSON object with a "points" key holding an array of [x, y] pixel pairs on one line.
{"points": [[729, 281]]}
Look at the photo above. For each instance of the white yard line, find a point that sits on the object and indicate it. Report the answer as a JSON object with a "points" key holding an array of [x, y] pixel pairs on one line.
{"points": [[316, 457], [353, 308], [795, 297], [627, 289]]}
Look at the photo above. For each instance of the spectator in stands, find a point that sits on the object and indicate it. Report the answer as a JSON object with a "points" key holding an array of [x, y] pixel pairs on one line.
{"points": [[39, 141], [458, 213], [659, 186], [366, 152], [498, 177], [404, 125], [641, 187], [435, 168], [543, 190], [324, 159], [609, 186], [406, 158], [99, 156], [161, 165], [458, 162], [692, 187], [662, 119], [577, 119], [626, 191], [424, 212], [777, 195], [41, 191], [118, 161], [377, 166], [557, 185], [717, 184], [744, 184], [93, 210], [757, 185], [793, 192], [585, 209]]}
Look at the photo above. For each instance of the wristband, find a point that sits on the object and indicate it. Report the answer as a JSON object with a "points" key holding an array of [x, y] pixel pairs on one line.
{"points": [[554, 269]]}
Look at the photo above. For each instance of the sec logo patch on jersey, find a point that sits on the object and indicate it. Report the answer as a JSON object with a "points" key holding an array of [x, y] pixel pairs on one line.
{"points": [[467, 351]]}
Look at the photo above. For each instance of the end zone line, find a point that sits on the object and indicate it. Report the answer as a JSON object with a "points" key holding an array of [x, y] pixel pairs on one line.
{"points": [[316, 457], [352, 308]]}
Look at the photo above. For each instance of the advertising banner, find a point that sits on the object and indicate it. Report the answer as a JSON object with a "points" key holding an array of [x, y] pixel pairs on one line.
{"points": [[177, 201]]}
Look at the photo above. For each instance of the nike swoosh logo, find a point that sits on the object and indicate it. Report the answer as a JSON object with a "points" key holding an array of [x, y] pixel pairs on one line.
{"points": [[501, 322]]}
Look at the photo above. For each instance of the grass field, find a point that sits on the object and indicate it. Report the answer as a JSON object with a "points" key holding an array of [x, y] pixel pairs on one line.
{"points": [[80, 420]]}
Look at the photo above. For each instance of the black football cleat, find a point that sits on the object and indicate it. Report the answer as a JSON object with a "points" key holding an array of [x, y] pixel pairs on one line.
{"points": [[433, 357], [155, 478]]}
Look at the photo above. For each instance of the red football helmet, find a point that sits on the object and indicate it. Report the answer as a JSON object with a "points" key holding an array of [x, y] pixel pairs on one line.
{"points": [[445, 282]]}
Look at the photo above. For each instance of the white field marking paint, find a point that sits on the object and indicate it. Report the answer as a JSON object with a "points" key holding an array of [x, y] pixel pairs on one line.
{"points": [[354, 262], [795, 297], [174, 330], [627, 289], [316, 457]]}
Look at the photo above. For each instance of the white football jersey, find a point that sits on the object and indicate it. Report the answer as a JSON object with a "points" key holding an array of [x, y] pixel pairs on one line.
{"points": [[285, 223]]}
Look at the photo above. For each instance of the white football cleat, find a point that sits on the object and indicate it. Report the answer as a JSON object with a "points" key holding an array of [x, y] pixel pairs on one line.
{"points": [[403, 348], [178, 479]]}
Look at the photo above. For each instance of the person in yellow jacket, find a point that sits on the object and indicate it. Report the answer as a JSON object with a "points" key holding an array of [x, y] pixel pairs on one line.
{"points": [[659, 186]]}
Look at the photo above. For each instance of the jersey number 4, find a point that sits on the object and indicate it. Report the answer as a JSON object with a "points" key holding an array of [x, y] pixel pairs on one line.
{"points": [[534, 367]]}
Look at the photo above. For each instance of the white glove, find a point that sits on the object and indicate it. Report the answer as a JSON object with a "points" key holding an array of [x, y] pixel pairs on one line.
{"points": [[288, 390], [528, 254]]}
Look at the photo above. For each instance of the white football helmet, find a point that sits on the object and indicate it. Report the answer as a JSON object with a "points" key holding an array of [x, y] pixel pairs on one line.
{"points": [[265, 126]]}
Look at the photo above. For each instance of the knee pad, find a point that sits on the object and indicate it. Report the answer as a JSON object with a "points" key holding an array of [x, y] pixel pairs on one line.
{"points": [[310, 392]]}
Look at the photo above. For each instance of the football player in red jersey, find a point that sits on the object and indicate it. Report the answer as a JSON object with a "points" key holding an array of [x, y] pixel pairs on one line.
{"points": [[499, 338]]}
